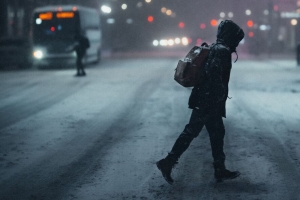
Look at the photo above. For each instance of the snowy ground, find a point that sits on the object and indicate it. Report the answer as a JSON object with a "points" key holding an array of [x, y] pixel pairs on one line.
{"points": [[98, 137]]}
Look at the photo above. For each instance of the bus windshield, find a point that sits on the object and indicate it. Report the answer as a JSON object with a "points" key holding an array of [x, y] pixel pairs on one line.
{"points": [[55, 27]]}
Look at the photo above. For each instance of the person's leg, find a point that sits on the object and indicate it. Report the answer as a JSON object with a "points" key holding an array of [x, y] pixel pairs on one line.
{"points": [[78, 65], [82, 67], [216, 130], [191, 131]]}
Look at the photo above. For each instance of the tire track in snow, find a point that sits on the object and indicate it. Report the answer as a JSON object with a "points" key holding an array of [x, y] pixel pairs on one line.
{"points": [[279, 156], [47, 180]]}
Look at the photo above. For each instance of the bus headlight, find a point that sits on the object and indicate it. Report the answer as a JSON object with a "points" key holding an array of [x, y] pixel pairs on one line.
{"points": [[38, 54]]}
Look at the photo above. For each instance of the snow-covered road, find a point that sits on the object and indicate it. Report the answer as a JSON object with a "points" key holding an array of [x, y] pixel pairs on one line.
{"points": [[99, 136]]}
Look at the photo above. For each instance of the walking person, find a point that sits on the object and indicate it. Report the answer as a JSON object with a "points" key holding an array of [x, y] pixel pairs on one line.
{"points": [[81, 45], [208, 103]]}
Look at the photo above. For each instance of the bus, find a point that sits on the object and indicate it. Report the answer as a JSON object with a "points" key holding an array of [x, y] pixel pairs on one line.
{"points": [[53, 34]]}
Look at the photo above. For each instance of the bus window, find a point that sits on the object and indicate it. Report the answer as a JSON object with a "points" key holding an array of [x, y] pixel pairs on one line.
{"points": [[63, 27]]}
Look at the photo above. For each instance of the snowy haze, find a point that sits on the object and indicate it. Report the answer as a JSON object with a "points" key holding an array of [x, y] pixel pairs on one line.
{"points": [[99, 136]]}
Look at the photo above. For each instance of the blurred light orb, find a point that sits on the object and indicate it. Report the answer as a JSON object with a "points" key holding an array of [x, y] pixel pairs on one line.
{"points": [[106, 9], [155, 43], [202, 26], [170, 42], [148, 1], [263, 27], [248, 12], [294, 22], [169, 12], [38, 21], [280, 37], [214, 22], [177, 40], [139, 4], [163, 10], [230, 14], [181, 25], [250, 23], [110, 21], [129, 21], [163, 42], [38, 54], [266, 12], [199, 42], [222, 14], [150, 18], [124, 6], [184, 41]]}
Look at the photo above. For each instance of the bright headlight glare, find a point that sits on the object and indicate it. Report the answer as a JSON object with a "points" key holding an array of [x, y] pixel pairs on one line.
{"points": [[38, 54]]}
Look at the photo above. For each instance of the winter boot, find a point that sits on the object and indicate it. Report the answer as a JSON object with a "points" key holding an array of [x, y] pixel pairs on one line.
{"points": [[222, 174], [165, 166]]}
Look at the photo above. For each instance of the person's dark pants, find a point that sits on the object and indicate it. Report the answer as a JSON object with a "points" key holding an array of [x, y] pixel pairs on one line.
{"points": [[216, 130], [79, 65]]}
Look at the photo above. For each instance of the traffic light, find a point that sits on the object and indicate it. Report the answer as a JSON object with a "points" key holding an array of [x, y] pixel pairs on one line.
{"points": [[181, 25], [150, 18]]}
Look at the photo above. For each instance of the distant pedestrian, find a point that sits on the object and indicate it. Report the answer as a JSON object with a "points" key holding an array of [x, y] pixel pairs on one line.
{"points": [[208, 103], [81, 45]]}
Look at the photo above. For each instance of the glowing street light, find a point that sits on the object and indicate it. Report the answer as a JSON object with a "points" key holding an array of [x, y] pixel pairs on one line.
{"points": [[106, 9], [170, 42], [222, 14], [155, 42], [169, 12], [294, 22], [266, 12], [124, 6], [185, 41], [248, 12]]}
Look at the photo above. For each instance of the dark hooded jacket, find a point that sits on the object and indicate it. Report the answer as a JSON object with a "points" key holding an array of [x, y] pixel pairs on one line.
{"points": [[210, 96]]}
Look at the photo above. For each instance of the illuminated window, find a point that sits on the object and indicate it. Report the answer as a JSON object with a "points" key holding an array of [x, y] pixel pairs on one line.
{"points": [[65, 15], [46, 16]]}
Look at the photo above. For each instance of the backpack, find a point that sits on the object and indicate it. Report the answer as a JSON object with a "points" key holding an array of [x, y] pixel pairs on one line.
{"points": [[190, 72], [85, 43]]}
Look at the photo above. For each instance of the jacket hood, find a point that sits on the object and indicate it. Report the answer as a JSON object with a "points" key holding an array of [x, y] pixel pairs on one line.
{"points": [[230, 34]]}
